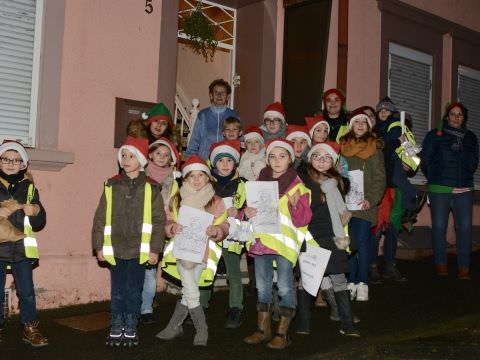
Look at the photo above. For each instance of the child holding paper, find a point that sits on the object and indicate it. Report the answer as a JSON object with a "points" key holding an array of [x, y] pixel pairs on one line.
{"points": [[197, 192], [329, 216], [283, 248]]}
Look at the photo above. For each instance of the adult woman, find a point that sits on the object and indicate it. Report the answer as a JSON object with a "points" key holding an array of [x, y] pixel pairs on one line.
{"points": [[449, 161], [335, 114]]}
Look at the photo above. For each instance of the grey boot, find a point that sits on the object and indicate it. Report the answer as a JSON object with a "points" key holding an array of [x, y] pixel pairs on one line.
{"points": [[391, 272], [201, 328], [174, 327], [347, 326], [329, 296]]}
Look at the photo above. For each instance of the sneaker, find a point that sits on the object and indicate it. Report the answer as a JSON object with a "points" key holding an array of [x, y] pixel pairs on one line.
{"points": [[352, 332], [130, 338], [362, 292], [147, 319], [353, 290], [234, 318], [32, 335], [114, 337]]}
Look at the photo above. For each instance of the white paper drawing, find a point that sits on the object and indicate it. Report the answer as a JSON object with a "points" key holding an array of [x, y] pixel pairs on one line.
{"points": [[356, 194], [313, 263], [263, 195], [190, 244], [228, 201]]}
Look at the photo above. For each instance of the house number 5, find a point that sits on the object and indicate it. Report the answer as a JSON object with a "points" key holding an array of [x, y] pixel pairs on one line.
{"points": [[148, 6]]}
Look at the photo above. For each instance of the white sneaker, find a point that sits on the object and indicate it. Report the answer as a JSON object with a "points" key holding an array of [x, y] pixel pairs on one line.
{"points": [[353, 290], [362, 292]]}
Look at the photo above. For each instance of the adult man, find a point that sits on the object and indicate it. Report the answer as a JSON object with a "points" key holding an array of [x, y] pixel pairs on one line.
{"points": [[209, 124]]}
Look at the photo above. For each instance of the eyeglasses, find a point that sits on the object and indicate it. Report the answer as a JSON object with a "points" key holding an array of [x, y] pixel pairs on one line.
{"points": [[7, 161], [320, 158], [272, 121]]}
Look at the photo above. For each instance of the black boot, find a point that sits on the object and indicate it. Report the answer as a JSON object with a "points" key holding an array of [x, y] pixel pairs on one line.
{"points": [[332, 304], [304, 309], [345, 311]]}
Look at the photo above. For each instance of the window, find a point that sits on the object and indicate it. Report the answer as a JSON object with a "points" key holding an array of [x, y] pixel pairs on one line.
{"points": [[469, 95], [410, 88], [20, 40]]}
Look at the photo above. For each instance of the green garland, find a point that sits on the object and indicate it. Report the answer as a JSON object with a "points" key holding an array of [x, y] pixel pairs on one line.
{"points": [[201, 33]]}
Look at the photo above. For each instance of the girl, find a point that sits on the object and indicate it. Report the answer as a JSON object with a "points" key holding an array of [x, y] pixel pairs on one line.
{"points": [[163, 157], [329, 215], [363, 151], [159, 124], [318, 129], [253, 159], [197, 192], [335, 114], [274, 123], [283, 248]]}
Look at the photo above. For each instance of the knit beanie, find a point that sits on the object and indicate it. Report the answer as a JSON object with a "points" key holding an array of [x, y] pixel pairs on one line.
{"points": [[14, 145], [278, 142], [387, 104], [138, 147]]}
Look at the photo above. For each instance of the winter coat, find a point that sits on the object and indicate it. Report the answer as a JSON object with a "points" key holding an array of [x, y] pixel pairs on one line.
{"points": [[127, 217], [445, 165], [15, 251], [207, 130]]}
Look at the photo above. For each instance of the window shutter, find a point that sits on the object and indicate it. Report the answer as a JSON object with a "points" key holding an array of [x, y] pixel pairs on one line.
{"points": [[469, 95], [409, 86], [20, 24]]}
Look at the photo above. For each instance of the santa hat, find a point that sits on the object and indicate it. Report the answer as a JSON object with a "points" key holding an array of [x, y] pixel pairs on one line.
{"points": [[138, 147], [14, 145], [194, 162], [298, 131], [273, 111], [360, 116], [253, 132], [157, 113], [338, 92], [387, 104], [278, 142], [331, 147], [225, 148], [173, 150], [314, 122]]}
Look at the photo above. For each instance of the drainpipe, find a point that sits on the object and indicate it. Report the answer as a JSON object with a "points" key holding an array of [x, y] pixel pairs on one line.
{"points": [[342, 57]]}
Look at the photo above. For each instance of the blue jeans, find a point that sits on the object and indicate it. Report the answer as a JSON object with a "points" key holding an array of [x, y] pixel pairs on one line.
{"points": [[149, 290], [461, 204], [23, 276], [127, 279], [360, 230], [264, 280]]}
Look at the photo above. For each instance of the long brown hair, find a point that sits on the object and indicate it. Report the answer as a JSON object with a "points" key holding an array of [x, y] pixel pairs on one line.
{"points": [[331, 173]]}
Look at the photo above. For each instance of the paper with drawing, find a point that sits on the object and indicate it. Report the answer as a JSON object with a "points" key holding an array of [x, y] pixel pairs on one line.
{"points": [[263, 195]]}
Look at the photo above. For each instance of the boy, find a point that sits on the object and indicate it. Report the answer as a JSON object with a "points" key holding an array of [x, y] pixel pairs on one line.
{"points": [[232, 128], [128, 231], [20, 204]]}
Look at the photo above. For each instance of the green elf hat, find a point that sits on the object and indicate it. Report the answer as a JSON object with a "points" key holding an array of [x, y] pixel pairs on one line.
{"points": [[157, 113], [448, 107]]}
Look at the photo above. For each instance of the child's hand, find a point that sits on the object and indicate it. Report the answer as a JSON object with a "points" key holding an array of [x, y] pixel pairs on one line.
{"points": [[293, 200], [213, 231], [365, 204], [153, 258], [100, 256], [177, 228], [232, 212], [31, 209], [5, 212], [250, 212]]}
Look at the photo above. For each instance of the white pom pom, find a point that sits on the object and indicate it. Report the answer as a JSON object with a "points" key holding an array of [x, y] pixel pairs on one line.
{"points": [[177, 174], [144, 116]]}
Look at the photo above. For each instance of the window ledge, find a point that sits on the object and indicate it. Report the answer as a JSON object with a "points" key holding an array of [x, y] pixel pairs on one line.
{"points": [[49, 160]]}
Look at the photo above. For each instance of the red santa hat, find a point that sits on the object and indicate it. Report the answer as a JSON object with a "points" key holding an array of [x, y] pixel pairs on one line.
{"points": [[173, 150], [225, 148], [253, 132], [331, 147], [360, 116], [298, 131], [138, 147], [275, 110], [314, 122], [194, 162], [338, 92], [16, 146], [278, 142]]}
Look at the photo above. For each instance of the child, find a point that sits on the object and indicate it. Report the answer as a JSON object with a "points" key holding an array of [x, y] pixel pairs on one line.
{"points": [[274, 123], [196, 191], [283, 248], [298, 135], [335, 114], [128, 231], [163, 158], [232, 128], [363, 151], [159, 124], [253, 159], [25, 213], [329, 216], [318, 129]]}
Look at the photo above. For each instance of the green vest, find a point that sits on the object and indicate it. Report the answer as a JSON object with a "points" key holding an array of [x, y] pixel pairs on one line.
{"points": [[29, 242], [108, 252]]}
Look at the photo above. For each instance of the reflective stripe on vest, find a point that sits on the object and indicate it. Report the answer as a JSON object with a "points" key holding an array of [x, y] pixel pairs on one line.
{"points": [[29, 242], [289, 241], [411, 161], [238, 201], [169, 262], [108, 253], [343, 130]]}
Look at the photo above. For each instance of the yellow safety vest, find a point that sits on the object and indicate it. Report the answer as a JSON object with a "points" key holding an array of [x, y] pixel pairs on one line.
{"points": [[29, 242], [289, 241], [108, 252], [169, 262], [343, 130], [411, 161], [238, 201]]}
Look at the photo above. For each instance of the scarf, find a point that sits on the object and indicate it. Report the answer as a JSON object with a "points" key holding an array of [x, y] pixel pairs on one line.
{"points": [[284, 181], [197, 199], [251, 164], [458, 135], [13, 179], [361, 149], [223, 180], [158, 173], [339, 214]]}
